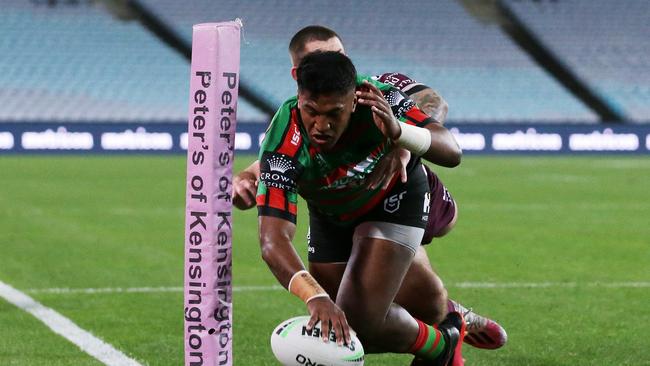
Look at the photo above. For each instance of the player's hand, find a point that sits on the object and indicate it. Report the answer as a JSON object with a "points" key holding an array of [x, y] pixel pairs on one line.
{"points": [[331, 317], [244, 190], [395, 161], [381, 111]]}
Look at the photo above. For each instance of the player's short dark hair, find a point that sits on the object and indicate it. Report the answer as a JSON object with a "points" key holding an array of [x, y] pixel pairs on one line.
{"points": [[326, 73], [310, 33]]}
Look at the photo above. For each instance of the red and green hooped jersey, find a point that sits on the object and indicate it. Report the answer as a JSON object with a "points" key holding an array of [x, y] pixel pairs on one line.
{"points": [[332, 182]]}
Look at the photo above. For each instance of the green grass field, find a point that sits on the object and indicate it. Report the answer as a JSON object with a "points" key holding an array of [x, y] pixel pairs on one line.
{"points": [[560, 244]]}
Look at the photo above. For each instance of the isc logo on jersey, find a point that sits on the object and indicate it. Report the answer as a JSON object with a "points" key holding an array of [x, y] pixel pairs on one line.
{"points": [[295, 138], [294, 345]]}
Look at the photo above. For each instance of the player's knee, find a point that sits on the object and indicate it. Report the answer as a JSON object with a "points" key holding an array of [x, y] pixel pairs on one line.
{"points": [[434, 309], [423, 294], [439, 307]]}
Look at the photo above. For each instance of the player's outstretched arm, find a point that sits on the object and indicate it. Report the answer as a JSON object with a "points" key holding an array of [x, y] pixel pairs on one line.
{"points": [[276, 235], [244, 186]]}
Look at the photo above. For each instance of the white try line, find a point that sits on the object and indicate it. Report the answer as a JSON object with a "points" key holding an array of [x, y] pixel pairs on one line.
{"points": [[479, 285], [64, 327], [467, 285], [141, 290]]}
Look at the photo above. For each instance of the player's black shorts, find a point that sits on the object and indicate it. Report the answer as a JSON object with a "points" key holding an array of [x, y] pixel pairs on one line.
{"points": [[406, 204]]}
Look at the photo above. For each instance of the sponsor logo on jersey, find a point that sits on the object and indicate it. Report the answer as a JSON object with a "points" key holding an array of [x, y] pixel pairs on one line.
{"points": [[427, 203], [295, 138], [279, 171], [426, 206], [347, 181], [446, 196], [278, 181], [355, 175], [279, 163]]}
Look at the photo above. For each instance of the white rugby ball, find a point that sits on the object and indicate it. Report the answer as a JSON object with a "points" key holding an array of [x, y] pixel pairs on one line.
{"points": [[294, 345]]}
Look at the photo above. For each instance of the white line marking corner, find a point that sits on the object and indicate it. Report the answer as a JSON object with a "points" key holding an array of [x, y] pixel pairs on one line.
{"points": [[63, 326]]}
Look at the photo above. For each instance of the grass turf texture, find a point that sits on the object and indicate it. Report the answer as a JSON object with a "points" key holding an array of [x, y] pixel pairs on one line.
{"points": [[95, 222]]}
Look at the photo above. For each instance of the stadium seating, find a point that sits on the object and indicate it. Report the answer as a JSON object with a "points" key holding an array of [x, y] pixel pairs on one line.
{"points": [[479, 71], [79, 63], [605, 42], [482, 74]]}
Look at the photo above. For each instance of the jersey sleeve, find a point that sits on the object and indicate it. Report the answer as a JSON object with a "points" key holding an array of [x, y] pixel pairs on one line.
{"points": [[280, 167], [402, 82], [404, 108], [397, 91]]}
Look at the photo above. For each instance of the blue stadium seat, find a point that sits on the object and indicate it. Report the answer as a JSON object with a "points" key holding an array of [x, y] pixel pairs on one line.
{"points": [[78, 63], [480, 72], [605, 42]]}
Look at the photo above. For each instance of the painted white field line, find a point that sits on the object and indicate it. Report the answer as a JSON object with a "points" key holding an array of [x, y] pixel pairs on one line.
{"points": [[64, 327], [471, 285], [478, 285], [103, 290], [115, 290]]}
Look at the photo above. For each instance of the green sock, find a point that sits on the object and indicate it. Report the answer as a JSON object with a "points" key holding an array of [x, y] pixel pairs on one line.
{"points": [[429, 343]]}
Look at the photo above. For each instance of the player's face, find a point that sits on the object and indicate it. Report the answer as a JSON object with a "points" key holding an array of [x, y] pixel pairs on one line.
{"points": [[325, 117]]}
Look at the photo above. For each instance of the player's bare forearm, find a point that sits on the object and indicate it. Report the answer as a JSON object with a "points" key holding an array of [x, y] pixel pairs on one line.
{"points": [[277, 250], [245, 186], [444, 149], [279, 254]]}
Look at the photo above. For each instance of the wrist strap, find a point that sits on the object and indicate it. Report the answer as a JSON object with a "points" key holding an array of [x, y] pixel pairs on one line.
{"points": [[303, 285], [415, 139]]}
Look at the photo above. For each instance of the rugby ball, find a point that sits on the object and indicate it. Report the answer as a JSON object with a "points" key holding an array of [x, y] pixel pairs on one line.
{"points": [[294, 345]]}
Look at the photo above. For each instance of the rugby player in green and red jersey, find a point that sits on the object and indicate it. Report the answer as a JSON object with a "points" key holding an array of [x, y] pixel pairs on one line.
{"points": [[422, 292], [322, 145]]}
